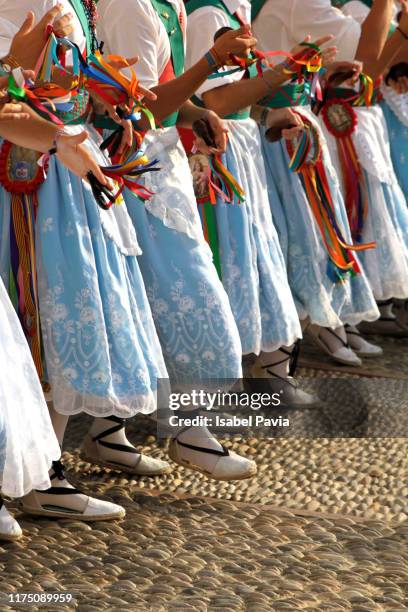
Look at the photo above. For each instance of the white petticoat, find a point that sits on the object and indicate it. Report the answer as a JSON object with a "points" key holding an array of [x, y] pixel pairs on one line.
{"points": [[27, 441], [398, 103]]}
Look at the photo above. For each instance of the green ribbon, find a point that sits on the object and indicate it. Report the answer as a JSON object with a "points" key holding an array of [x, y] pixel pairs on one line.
{"points": [[16, 92], [256, 7], [170, 19], [80, 11], [292, 94]]}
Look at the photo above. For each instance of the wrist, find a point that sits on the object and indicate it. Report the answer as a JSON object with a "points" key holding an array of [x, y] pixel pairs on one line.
{"points": [[219, 56], [213, 60], [59, 135], [274, 77]]}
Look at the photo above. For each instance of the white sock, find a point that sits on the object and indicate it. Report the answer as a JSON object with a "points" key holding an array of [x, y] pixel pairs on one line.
{"points": [[386, 310], [330, 339], [203, 438], [76, 501], [99, 425], [277, 361]]}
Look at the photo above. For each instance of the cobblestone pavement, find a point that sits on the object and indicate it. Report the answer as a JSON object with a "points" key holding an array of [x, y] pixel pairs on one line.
{"points": [[322, 527]]}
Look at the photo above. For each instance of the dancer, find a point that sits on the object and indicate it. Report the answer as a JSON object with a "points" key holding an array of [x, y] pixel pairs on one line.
{"points": [[394, 91], [28, 445], [114, 358], [101, 349], [199, 337], [386, 221], [321, 299], [251, 261]]}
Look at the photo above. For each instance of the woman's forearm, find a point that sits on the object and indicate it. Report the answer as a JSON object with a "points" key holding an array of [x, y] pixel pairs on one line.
{"points": [[189, 113], [234, 97], [33, 133], [374, 31], [172, 95], [396, 47]]}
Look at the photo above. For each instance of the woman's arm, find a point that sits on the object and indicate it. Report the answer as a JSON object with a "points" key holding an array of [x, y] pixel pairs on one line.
{"points": [[233, 97], [36, 133], [395, 50], [374, 32], [173, 94], [375, 29]]}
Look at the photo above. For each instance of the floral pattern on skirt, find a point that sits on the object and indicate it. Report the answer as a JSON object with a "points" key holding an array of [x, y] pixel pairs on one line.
{"points": [[102, 352]]}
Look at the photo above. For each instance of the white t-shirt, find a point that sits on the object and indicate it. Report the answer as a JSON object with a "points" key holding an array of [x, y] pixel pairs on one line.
{"points": [[359, 11], [202, 24], [282, 24], [14, 12], [133, 27]]}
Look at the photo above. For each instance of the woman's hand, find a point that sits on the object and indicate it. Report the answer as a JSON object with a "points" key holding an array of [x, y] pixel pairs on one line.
{"points": [[101, 106], [219, 131], [285, 119], [76, 157], [28, 43], [238, 42], [346, 68], [328, 54], [64, 26]]}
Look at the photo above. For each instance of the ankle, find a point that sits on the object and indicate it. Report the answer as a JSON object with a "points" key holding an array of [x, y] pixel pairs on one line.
{"points": [[386, 309], [335, 339], [281, 363]]}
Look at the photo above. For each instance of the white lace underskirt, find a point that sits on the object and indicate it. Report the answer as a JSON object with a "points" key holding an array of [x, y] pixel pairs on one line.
{"points": [[398, 103], [27, 441]]}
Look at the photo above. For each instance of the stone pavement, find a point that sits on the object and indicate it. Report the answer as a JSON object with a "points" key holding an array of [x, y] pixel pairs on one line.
{"points": [[323, 526]]}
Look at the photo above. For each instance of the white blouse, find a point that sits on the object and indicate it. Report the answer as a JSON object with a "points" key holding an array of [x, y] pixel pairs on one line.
{"points": [[281, 24], [133, 27]]}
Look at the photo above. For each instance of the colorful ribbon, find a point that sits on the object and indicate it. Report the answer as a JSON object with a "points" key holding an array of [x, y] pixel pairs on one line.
{"points": [[307, 61], [306, 160]]}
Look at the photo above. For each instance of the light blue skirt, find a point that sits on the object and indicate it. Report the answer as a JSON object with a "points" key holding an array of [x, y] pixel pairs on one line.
{"points": [[252, 264], [102, 352], [398, 133], [193, 318], [386, 266], [317, 295]]}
